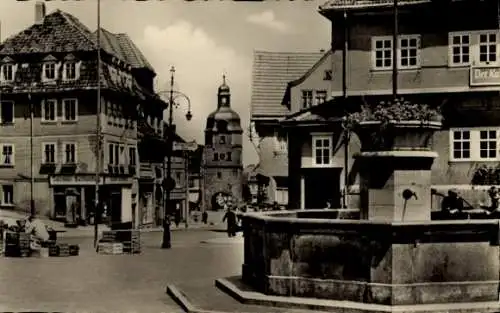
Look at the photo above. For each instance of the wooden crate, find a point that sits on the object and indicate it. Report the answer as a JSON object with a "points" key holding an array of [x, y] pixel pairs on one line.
{"points": [[74, 250], [17, 244], [59, 250], [112, 248], [131, 247], [109, 236]]}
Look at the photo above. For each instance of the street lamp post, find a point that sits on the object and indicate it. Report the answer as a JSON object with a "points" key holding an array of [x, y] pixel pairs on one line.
{"points": [[168, 183]]}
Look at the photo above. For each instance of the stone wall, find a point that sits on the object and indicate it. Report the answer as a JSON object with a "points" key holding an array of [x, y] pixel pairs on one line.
{"points": [[364, 261]]}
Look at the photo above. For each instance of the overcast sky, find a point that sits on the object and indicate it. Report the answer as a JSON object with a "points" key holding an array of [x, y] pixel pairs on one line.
{"points": [[202, 39]]}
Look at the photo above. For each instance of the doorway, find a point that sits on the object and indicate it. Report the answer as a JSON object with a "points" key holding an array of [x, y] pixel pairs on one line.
{"points": [[322, 185]]}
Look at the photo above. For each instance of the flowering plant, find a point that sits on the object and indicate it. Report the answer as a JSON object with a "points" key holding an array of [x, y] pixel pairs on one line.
{"points": [[393, 111]]}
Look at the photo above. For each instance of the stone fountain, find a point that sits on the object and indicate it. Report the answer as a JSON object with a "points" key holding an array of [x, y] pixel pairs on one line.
{"points": [[392, 258]]}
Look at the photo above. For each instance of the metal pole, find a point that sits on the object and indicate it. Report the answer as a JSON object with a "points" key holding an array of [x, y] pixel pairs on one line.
{"points": [[395, 46], [186, 183], [344, 93], [98, 122], [32, 182], [166, 220]]}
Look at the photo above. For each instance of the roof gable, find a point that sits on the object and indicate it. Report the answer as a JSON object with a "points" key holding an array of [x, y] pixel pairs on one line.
{"points": [[272, 71], [313, 69], [59, 32], [123, 48]]}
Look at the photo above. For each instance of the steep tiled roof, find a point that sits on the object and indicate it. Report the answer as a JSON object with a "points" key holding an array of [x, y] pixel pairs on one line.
{"points": [[272, 71], [364, 4], [60, 32], [123, 48]]}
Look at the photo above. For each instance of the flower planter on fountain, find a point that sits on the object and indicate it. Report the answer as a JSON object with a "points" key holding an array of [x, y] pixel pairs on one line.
{"points": [[394, 255]]}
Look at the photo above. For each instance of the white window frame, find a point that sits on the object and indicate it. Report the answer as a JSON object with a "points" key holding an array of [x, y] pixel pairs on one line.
{"points": [[280, 142], [488, 141], [123, 154], [11, 202], [321, 136], [408, 37], [3, 79], [305, 100], [474, 48], [317, 99], [132, 151], [13, 111], [65, 146], [44, 145], [13, 157], [111, 156], [44, 103], [400, 51], [461, 46], [374, 53], [44, 67], [65, 70], [495, 43], [64, 109], [474, 145]]}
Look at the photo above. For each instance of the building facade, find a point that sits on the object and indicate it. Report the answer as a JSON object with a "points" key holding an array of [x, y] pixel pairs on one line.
{"points": [[452, 65], [50, 71], [272, 71], [222, 161]]}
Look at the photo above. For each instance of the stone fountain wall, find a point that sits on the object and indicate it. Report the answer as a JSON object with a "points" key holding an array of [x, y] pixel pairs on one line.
{"points": [[371, 261]]}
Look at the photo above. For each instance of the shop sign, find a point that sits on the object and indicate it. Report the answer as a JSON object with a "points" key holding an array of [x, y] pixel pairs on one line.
{"points": [[72, 180], [485, 76]]}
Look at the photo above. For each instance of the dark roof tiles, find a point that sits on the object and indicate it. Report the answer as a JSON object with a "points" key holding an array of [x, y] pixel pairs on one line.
{"points": [[62, 32], [272, 71], [59, 32]]}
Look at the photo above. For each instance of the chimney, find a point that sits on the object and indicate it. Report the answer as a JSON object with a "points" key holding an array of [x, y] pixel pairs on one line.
{"points": [[39, 12]]}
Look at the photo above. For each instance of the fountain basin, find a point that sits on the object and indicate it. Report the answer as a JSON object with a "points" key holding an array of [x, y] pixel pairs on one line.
{"points": [[310, 253]]}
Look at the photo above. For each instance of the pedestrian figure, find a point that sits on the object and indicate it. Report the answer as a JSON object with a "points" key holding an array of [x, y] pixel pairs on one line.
{"points": [[452, 204], [204, 217], [494, 197], [328, 205], [38, 232], [177, 217], [231, 222]]}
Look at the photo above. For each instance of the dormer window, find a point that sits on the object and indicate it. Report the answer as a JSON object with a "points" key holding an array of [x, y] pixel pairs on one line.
{"points": [[7, 70], [50, 68], [49, 71], [7, 74], [69, 70]]}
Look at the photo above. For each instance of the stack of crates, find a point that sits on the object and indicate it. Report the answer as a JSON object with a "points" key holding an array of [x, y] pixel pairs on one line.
{"points": [[59, 250], [131, 240], [113, 248], [17, 244], [109, 236]]}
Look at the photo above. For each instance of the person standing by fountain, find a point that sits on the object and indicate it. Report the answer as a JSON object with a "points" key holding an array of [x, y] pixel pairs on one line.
{"points": [[452, 204], [494, 198]]}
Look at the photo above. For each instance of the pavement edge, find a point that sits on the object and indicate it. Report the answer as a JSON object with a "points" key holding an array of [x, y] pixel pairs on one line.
{"points": [[186, 305], [249, 297]]}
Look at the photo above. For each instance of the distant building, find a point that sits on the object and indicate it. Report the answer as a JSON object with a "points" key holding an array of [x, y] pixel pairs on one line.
{"points": [[50, 69], [195, 190], [272, 72], [222, 162]]}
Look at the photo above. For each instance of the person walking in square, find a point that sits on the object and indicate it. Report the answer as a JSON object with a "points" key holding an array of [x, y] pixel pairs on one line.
{"points": [[230, 216]]}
